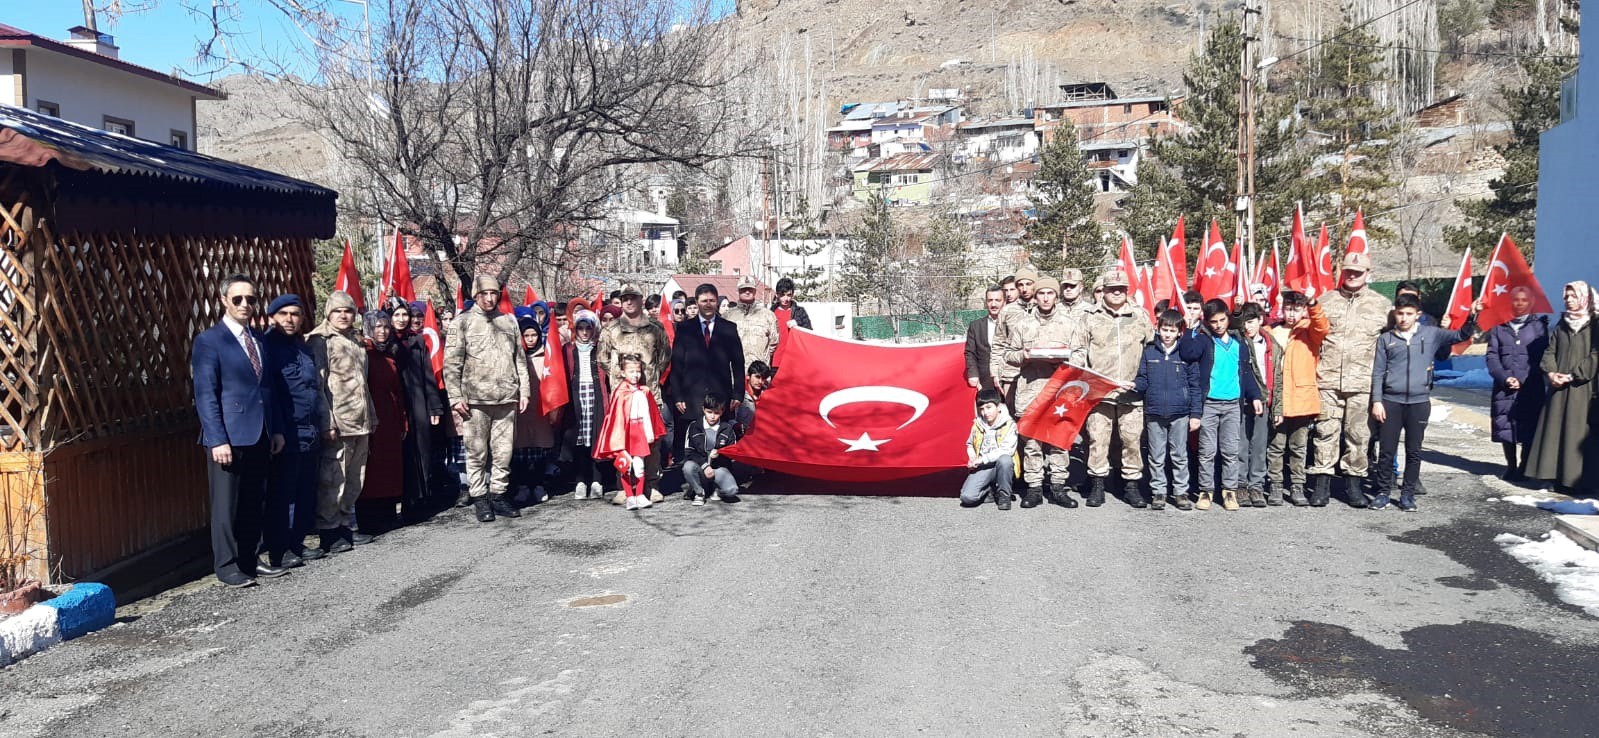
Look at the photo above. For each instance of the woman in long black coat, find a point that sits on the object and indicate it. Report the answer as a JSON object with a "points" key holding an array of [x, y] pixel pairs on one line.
{"points": [[1515, 349], [424, 405], [1562, 451]]}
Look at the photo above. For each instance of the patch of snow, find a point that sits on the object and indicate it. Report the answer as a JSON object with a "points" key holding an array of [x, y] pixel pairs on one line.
{"points": [[1469, 379], [1525, 500], [1572, 569]]}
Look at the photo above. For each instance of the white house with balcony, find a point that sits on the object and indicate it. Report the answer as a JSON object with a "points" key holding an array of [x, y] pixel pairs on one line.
{"points": [[1005, 140], [646, 240], [1568, 155], [83, 79]]}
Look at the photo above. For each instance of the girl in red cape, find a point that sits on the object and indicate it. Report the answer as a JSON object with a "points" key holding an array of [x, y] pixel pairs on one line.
{"points": [[627, 437]]}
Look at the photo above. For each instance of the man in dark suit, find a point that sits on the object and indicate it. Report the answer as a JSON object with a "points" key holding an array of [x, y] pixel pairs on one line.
{"points": [[980, 340], [707, 359], [241, 428]]}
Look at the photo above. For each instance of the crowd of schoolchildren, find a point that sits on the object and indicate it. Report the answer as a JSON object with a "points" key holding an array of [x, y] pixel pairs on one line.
{"points": [[1231, 407]]}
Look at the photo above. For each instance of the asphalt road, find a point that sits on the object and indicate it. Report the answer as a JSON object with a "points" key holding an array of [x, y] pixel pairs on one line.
{"points": [[834, 615]]}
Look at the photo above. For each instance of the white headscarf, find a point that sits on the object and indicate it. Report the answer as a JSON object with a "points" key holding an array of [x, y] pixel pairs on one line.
{"points": [[1578, 318]]}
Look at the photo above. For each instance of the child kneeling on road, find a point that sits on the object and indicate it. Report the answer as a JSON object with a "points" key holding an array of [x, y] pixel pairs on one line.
{"points": [[1173, 393], [990, 453], [702, 458]]}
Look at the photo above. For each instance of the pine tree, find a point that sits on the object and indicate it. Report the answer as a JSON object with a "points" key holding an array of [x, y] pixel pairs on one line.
{"points": [[936, 282], [1360, 131], [868, 265], [1066, 232], [803, 240], [1196, 174], [1534, 108]]}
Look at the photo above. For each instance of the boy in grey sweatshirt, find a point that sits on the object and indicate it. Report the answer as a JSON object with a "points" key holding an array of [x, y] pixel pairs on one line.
{"points": [[1401, 392], [990, 453]]}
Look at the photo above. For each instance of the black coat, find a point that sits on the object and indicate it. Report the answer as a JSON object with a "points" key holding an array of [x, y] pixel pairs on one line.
{"points": [[1513, 353], [799, 316], [602, 390], [694, 445], [699, 369], [423, 399], [978, 351]]}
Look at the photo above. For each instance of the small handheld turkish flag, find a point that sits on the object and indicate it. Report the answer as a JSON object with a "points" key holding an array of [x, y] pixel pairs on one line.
{"points": [[1300, 273], [349, 280], [553, 391], [1326, 279], [434, 338], [1215, 277], [1177, 256], [1460, 301], [858, 412], [1508, 270], [1057, 413]]}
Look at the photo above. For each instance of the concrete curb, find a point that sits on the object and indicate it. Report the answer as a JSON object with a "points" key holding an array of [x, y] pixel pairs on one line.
{"points": [[81, 610], [1584, 529]]}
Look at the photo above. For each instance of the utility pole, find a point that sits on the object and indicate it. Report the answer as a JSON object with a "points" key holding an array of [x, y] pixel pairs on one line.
{"points": [[1250, 30]]}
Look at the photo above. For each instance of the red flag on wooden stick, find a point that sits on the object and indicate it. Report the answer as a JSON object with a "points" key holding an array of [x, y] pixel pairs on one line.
{"points": [[1508, 270], [1460, 301], [349, 280], [434, 338]]}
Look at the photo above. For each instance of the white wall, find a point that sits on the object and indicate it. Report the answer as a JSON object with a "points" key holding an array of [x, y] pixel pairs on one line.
{"points": [[1567, 199], [87, 92]]}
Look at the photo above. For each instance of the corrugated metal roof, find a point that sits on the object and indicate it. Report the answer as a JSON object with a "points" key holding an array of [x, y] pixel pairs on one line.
{"points": [[35, 139], [900, 163], [1001, 123], [1103, 103]]}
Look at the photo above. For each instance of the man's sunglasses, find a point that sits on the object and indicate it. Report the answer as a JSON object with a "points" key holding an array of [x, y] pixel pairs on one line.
{"points": [[244, 300]]}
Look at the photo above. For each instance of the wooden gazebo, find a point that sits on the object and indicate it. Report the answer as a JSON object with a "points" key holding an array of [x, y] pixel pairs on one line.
{"points": [[111, 250]]}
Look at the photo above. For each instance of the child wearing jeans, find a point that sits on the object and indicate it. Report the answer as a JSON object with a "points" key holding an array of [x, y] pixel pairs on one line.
{"points": [[1401, 392], [1172, 395], [1229, 388], [627, 438], [990, 453], [702, 459]]}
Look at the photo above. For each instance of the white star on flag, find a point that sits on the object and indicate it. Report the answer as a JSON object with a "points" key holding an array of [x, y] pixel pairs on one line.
{"points": [[1060, 411], [1500, 289], [864, 443]]}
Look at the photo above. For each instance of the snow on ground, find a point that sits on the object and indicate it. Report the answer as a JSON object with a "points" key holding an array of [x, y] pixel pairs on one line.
{"points": [[1526, 500], [1556, 559], [1469, 379]]}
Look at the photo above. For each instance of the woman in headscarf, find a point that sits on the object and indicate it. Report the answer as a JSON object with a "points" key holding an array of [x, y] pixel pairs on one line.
{"points": [[590, 392], [1515, 350], [424, 408], [1569, 365], [534, 444], [385, 481]]}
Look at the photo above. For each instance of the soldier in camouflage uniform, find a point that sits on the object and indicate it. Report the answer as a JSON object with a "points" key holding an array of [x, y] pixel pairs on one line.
{"points": [[1004, 374], [1117, 334], [757, 325], [637, 332], [1357, 315], [1047, 327], [339, 352], [1071, 293], [485, 376]]}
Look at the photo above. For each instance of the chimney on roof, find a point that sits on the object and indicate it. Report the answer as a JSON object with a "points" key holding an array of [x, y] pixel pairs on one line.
{"points": [[88, 39]]}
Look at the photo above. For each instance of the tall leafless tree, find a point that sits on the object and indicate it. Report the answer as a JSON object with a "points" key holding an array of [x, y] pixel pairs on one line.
{"points": [[501, 133]]}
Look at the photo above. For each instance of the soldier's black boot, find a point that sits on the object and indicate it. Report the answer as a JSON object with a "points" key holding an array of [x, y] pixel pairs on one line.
{"points": [[485, 513], [1320, 490], [1354, 490], [1034, 496], [1133, 495], [503, 507], [1096, 492]]}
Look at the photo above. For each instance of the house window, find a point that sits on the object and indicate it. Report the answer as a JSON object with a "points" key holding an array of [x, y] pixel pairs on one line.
{"points": [[118, 125], [903, 179], [1127, 109], [48, 108], [180, 140]]}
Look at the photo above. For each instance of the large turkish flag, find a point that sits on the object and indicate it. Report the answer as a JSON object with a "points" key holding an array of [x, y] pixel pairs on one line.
{"points": [[848, 411]]}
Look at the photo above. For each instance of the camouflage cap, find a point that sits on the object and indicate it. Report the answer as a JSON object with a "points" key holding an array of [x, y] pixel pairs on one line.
{"points": [[1115, 278], [630, 290], [1356, 262], [747, 282], [1072, 277]]}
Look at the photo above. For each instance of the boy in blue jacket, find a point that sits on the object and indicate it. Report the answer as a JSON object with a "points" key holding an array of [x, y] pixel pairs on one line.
{"points": [[1401, 392], [1230, 391], [1172, 395]]}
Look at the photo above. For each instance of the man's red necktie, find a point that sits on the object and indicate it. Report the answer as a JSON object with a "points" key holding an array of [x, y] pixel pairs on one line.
{"points": [[706, 325]]}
